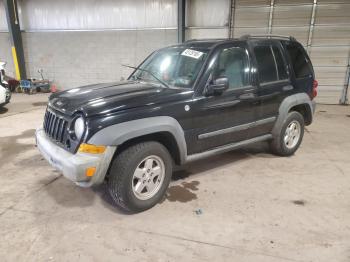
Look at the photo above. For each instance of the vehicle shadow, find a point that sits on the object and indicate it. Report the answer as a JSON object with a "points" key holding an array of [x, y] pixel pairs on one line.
{"points": [[3, 110], [200, 167], [66, 194], [260, 150]]}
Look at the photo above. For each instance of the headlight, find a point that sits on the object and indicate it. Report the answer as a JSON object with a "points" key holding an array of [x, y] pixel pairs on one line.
{"points": [[79, 127]]}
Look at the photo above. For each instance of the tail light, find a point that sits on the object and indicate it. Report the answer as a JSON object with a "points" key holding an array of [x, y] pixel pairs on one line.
{"points": [[314, 89]]}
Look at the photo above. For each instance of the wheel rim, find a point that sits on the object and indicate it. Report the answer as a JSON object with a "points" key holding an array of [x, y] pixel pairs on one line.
{"points": [[148, 177], [292, 134]]}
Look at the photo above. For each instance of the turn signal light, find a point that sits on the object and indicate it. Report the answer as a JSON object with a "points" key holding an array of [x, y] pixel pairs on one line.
{"points": [[90, 171], [91, 149]]}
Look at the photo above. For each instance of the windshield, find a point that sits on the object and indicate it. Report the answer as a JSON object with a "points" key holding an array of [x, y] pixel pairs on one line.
{"points": [[177, 67]]}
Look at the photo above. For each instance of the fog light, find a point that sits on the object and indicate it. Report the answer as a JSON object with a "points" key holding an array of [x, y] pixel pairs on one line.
{"points": [[90, 171], [91, 149]]}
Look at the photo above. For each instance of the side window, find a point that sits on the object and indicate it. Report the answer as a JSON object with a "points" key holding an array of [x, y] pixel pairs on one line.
{"points": [[266, 64], [234, 64], [299, 61], [281, 66]]}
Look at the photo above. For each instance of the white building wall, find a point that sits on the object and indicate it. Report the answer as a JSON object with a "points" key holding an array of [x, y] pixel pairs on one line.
{"points": [[85, 42], [73, 59]]}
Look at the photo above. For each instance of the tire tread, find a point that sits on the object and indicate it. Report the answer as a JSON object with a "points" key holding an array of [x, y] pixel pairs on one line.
{"points": [[276, 144], [120, 167]]}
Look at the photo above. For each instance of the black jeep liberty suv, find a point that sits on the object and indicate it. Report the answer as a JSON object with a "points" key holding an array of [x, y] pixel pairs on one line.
{"points": [[183, 103]]}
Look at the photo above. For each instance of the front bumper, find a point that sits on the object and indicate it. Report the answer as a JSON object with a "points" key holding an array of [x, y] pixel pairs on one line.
{"points": [[73, 166], [8, 96], [5, 96]]}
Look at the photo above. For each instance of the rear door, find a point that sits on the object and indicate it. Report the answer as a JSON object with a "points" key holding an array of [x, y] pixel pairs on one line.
{"points": [[273, 83], [225, 118]]}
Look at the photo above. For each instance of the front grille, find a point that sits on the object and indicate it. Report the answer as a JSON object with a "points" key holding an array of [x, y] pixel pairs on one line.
{"points": [[55, 126]]}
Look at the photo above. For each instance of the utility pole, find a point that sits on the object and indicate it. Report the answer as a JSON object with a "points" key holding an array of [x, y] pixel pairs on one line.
{"points": [[181, 14]]}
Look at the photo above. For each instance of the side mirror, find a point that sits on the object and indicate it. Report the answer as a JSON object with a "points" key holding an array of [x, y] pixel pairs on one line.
{"points": [[218, 86]]}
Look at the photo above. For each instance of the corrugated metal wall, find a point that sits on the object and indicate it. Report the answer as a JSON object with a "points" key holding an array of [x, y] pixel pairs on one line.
{"points": [[85, 41], [207, 19], [322, 26], [326, 34], [3, 23], [39, 15]]}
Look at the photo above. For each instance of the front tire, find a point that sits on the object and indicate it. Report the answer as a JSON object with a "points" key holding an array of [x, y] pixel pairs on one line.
{"points": [[139, 176], [289, 138]]}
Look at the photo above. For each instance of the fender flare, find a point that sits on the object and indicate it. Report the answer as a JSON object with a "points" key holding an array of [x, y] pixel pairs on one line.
{"points": [[117, 134], [287, 104]]}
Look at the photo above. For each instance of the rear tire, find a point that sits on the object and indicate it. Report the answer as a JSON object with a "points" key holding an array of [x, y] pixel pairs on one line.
{"points": [[139, 176], [289, 138]]}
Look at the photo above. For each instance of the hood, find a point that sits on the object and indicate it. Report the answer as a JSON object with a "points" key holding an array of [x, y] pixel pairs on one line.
{"points": [[112, 97]]}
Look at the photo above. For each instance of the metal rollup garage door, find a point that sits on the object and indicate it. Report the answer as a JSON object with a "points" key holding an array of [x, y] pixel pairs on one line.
{"points": [[322, 26]]}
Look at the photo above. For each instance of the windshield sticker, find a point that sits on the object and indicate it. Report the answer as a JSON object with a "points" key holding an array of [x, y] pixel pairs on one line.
{"points": [[192, 53]]}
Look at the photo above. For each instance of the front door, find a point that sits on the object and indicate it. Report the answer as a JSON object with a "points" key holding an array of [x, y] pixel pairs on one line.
{"points": [[222, 119]]}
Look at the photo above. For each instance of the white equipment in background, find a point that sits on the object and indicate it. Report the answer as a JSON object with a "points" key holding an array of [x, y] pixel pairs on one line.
{"points": [[5, 94]]}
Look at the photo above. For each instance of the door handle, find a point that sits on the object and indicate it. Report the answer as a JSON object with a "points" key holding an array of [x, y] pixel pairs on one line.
{"points": [[269, 96], [288, 88], [248, 90]]}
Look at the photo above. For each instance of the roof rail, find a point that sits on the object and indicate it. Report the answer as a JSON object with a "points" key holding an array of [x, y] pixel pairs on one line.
{"points": [[205, 39], [269, 36]]}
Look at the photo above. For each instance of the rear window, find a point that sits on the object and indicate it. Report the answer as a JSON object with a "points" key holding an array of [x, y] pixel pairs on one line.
{"points": [[271, 65], [281, 66], [266, 64], [300, 64]]}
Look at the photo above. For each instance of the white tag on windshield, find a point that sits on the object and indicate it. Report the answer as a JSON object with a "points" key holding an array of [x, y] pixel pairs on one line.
{"points": [[192, 53]]}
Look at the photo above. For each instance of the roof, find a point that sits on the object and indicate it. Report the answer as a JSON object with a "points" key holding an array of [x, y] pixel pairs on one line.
{"points": [[209, 43]]}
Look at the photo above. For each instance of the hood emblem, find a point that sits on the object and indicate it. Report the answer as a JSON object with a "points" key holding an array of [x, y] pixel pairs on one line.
{"points": [[59, 102], [187, 108]]}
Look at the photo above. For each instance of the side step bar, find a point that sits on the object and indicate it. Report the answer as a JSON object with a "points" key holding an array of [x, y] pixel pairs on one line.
{"points": [[226, 148]]}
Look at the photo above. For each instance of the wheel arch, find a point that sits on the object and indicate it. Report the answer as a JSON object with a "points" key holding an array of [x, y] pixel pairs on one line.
{"points": [[305, 111], [164, 137], [298, 102], [163, 129]]}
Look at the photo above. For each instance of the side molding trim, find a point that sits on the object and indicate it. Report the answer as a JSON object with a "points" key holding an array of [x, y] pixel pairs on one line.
{"points": [[226, 148], [237, 128]]}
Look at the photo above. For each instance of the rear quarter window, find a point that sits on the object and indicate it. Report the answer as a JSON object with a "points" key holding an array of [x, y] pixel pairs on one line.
{"points": [[300, 63]]}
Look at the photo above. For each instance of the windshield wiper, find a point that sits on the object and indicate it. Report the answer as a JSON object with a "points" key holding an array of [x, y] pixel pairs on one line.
{"points": [[147, 71]]}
